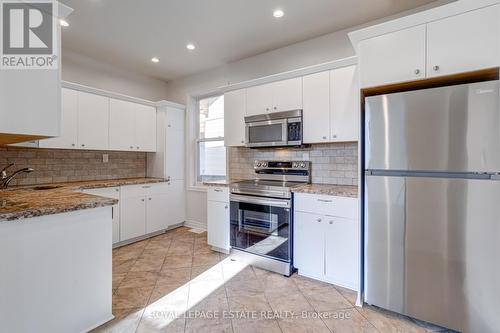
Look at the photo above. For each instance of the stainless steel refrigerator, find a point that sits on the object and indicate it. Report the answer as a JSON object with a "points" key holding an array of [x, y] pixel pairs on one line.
{"points": [[432, 205]]}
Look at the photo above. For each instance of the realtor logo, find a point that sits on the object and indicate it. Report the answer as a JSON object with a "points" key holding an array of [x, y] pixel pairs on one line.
{"points": [[28, 34]]}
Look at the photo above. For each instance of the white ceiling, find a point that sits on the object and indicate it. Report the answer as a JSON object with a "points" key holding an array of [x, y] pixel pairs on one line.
{"points": [[128, 33]]}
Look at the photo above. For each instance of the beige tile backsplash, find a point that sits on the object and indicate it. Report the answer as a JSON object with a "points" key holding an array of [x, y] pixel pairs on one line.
{"points": [[335, 163], [54, 165]]}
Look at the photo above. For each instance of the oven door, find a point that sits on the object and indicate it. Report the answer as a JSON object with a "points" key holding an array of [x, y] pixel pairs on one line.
{"points": [[267, 133], [261, 226]]}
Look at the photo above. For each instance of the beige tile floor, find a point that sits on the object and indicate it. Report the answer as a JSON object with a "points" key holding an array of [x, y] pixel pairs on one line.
{"points": [[175, 283]]}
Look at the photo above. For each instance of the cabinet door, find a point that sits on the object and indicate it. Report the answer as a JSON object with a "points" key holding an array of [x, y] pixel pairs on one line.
{"points": [[176, 203], [145, 128], [259, 99], [309, 244], [68, 137], [287, 95], [234, 118], [394, 57], [175, 118], [93, 121], [345, 103], [157, 213], [121, 125], [342, 252], [174, 153], [218, 224], [116, 223], [132, 217], [316, 97], [464, 43]]}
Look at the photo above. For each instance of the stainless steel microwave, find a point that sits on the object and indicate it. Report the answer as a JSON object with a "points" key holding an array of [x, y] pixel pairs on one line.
{"points": [[277, 129]]}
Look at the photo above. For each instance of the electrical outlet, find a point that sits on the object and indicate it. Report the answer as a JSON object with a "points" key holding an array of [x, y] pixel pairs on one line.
{"points": [[105, 158]]}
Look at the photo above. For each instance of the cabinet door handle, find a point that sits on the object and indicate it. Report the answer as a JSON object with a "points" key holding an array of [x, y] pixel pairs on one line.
{"points": [[334, 136], [83, 145], [331, 222], [142, 200], [146, 186], [226, 207], [72, 145], [267, 109], [324, 138], [436, 68], [324, 200], [149, 199], [117, 190], [131, 147], [417, 71], [218, 190], [275, 108], [319, 220]]}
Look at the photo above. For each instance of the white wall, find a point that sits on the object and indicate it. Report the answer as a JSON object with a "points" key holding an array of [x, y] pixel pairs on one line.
{"points": [[315, 51], [90, 72]]}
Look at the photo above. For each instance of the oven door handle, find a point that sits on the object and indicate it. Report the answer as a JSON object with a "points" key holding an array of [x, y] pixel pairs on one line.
{"points": [[260, 201]]}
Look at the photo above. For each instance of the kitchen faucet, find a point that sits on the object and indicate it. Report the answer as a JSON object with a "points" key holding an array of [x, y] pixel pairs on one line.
{"points": [[5, 179]]}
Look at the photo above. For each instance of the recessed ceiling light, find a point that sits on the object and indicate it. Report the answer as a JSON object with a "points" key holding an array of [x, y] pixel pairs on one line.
{"points": [[155, 59], [63, 23], [278, 13], [190, 46]]}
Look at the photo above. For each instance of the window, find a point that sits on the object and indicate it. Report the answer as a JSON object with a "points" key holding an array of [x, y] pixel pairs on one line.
{"points": [[211, 150]]}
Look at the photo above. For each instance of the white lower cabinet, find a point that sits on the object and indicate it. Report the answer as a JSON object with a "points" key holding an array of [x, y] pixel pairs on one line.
{"points": [[114, 193], [132, 217], [218, 218], [326, 244]]}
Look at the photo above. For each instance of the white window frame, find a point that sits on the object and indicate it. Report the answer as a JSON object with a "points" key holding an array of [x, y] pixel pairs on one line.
{"points": [[197, 140]]}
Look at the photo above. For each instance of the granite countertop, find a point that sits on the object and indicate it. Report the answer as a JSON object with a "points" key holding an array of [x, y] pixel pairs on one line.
{"points": [[24, 202], [326, 189]]}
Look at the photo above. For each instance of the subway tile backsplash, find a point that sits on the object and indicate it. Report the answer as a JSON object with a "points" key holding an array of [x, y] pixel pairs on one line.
{"points": [[335, 163], [57, 165]]}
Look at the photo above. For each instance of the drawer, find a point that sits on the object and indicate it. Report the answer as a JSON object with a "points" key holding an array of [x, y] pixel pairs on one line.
{"points": [[327, 205], [144, 189], [108, 192], [218, 193]]}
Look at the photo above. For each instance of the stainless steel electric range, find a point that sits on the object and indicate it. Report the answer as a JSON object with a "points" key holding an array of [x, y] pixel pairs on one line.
{"points": [[262, 214]]}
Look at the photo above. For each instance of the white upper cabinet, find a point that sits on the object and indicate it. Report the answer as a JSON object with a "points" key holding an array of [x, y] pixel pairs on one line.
{"points": [[464, 43], [316, 111], [278, 96], [145, 128], [345, 101], [394, 57], [68, 138], [93, 121], [234, 118], [121, 125], [259, 99], [287, 95]]}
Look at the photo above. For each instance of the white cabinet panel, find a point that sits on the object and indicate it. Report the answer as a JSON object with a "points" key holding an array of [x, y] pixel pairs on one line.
{"points": [[174, 153], [132, 217], [175, 118], [175, 206], [69, 121], [316, 114], [93, 121], [259, 99], [121, 125], [464, 43], [234, 118], [156, 213], [287, 95], [218, 194], [145, 128], [115, 212], [395, 57], [345, 102], [218, 224], [309, 254], [342, 252]]}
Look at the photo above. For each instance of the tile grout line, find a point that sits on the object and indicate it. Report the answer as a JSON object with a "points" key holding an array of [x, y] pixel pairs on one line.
{"points": [[227, 297], [308, 302], [267, 300]]}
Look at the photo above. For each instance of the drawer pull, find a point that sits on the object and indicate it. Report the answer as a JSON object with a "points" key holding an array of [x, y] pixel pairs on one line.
{"points": [[319, 220], [218, 190], [146, 186], [324, 200]]}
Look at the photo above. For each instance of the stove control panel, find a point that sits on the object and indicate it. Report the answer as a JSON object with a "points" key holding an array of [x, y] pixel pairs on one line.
{"points": [[283, 165]]}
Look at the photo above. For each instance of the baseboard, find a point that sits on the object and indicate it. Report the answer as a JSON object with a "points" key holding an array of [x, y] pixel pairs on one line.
{"points": [[195, 225]]}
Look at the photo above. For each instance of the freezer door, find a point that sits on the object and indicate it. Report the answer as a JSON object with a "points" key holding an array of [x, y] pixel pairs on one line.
{"points": [[453, 129], [446, 240]]}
